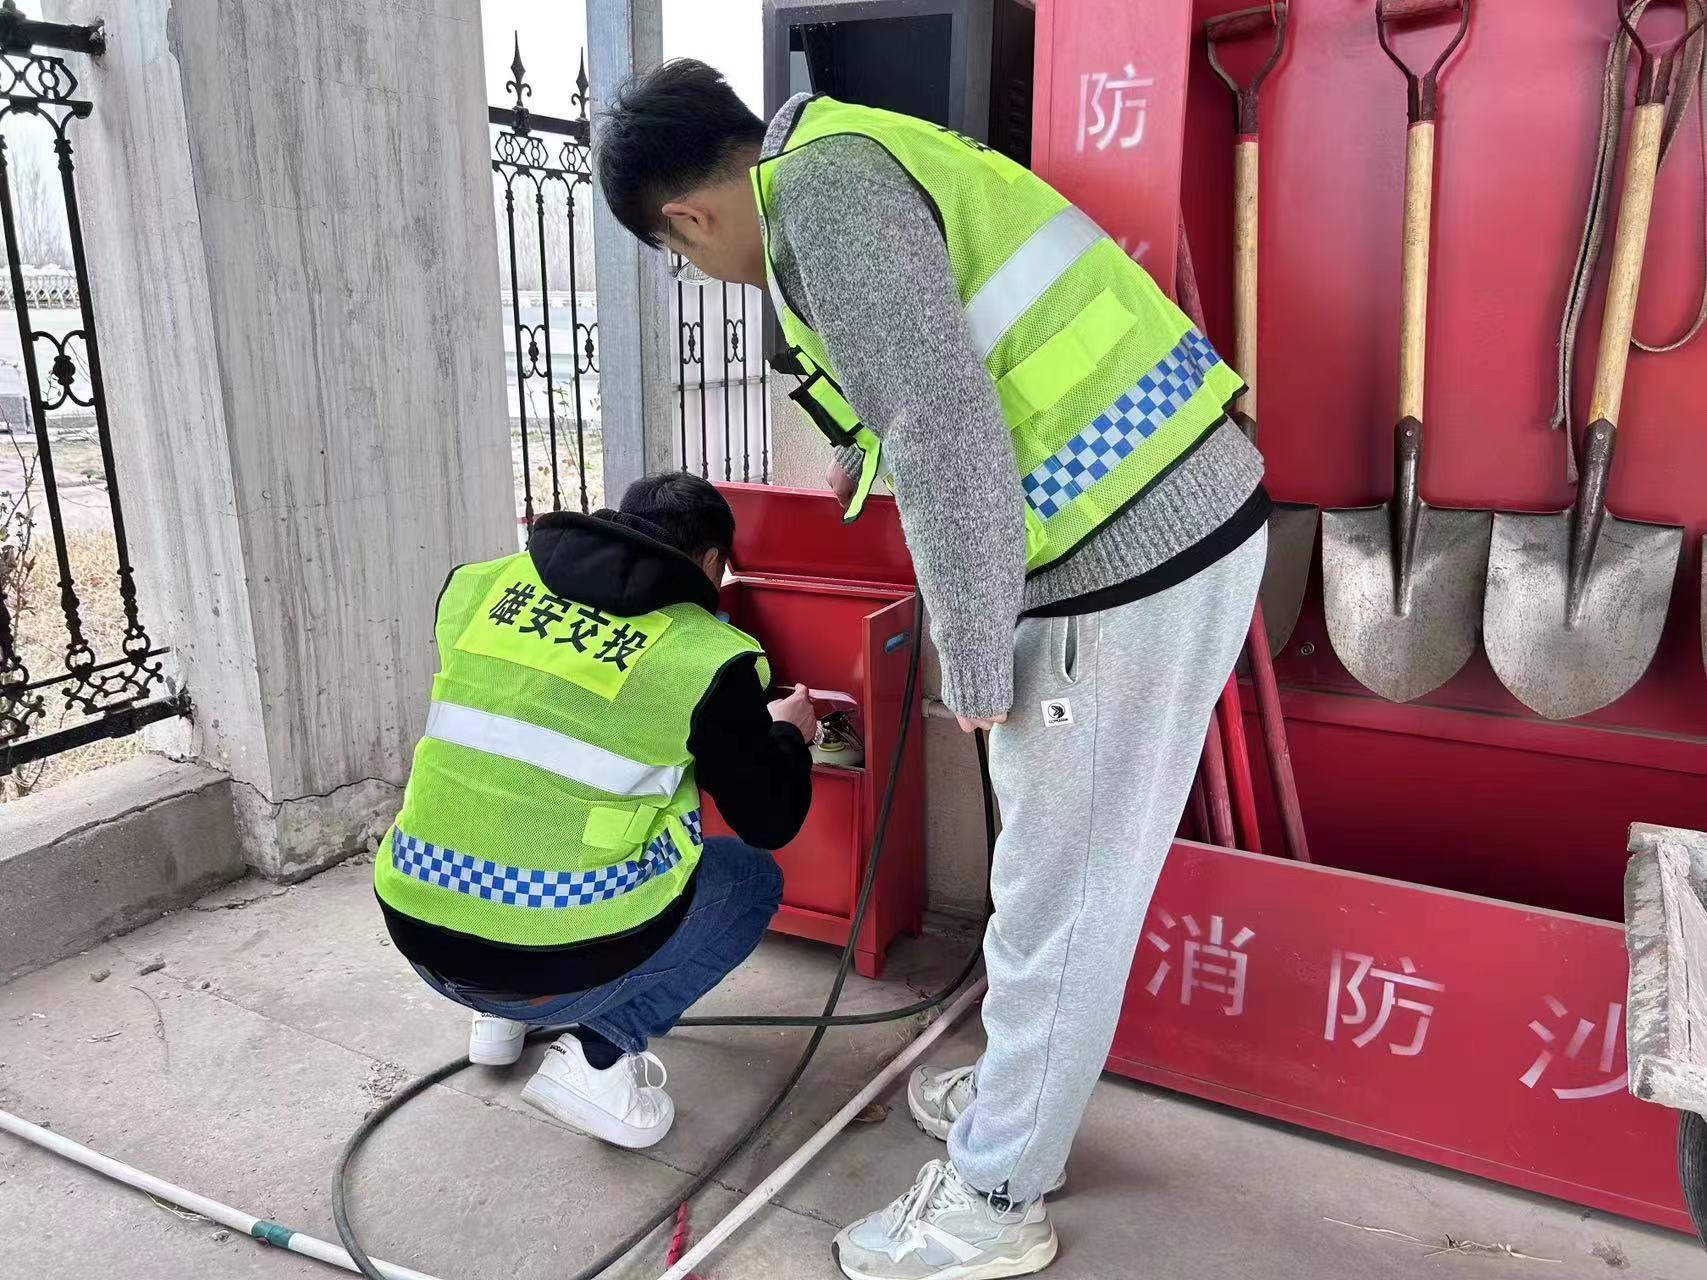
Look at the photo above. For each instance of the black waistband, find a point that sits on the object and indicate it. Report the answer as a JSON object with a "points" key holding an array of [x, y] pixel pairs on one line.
{"points": [[1227, 538], [526, 972]]}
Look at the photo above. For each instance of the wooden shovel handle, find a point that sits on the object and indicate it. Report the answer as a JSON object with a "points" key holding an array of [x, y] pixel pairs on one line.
{"points": [[1245, 270], [1413, 320], [1625, 281], [1245, 22], [1409, 10]]}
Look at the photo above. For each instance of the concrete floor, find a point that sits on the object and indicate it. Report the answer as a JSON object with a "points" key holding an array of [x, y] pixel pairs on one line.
{"points": [[282, 1015]]}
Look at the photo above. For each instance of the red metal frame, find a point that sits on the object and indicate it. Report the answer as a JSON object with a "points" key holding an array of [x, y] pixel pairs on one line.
{"points": [[833, 606], [1461, 1098], [1084, 50], [1465, 792]]}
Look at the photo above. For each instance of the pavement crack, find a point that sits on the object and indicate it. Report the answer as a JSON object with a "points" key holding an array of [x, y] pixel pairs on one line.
{"points": [[159, 1029], [240, 903], [378, 1070]]}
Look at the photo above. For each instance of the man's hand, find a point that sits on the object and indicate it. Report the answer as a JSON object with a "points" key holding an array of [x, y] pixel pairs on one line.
{"points": [[969, 723], [840, 483], [796, 709]]}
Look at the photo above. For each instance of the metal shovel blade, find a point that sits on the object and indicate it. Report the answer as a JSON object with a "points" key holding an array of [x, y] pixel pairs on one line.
{"points": [[1403, 644], [1556, 668], [1291, 545]]}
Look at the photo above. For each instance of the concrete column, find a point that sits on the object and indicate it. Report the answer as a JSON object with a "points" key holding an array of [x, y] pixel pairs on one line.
{"points": [[636, 349], [294, 265]]}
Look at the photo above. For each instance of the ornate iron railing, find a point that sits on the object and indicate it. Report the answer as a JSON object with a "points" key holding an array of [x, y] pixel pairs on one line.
{"points": [[107, 688], [723, 411], [722, 397], [537, 154], [51, 288]]}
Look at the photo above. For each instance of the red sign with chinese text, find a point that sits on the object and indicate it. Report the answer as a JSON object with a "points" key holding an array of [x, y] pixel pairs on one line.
{"points": [[1108, 117], [1476, 1034]]}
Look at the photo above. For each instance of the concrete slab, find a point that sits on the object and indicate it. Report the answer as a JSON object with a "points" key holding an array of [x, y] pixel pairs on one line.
{"points": [[203, 1092], [317, 959], [102, 853], [245, 1088]]}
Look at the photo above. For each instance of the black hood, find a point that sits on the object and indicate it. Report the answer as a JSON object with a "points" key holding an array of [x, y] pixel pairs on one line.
{"points": [[615, 562]]}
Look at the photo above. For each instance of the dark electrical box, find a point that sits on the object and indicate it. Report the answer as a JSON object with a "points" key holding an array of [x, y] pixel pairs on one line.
{"points": [[964, 64]]}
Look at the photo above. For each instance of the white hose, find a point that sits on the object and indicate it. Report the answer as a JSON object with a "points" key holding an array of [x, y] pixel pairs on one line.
{"points": [[784, 1173], [261, 1229]]}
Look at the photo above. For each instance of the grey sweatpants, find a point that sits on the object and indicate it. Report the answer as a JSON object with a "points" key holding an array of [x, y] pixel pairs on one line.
{"points": [[1092, 769]]}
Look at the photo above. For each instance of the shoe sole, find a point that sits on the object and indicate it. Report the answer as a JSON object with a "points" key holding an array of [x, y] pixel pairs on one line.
{"points": [[570, 1110], [495, 1055], [1033, 1260]]}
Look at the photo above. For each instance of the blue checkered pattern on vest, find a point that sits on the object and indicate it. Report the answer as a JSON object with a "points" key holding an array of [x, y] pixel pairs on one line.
{"points": [[530, 887], [1122, 427]]}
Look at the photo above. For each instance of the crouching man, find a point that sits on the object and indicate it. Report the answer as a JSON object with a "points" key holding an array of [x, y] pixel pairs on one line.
{"points": [[548, 867]]}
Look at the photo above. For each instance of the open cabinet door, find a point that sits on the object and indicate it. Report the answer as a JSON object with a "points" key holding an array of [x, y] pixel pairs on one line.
{"points": [[897, 903]]}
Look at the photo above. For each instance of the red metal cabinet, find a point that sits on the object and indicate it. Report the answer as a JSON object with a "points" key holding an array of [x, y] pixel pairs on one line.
{"points": [[833, 606]]}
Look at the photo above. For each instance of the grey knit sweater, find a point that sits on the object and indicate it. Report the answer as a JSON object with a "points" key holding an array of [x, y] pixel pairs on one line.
{"points": [[858, 251]]}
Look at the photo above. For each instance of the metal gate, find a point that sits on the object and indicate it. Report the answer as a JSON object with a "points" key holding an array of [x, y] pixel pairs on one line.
{"points": [[543, 168], [69, 620], [722, 396], [553, 359]]}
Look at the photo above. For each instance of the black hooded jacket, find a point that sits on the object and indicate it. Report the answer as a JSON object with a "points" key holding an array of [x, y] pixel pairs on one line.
{"points": [[758, 770]]}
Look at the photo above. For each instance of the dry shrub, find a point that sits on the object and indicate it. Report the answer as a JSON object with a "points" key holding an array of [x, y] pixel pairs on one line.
{"points": [[33, 595]]}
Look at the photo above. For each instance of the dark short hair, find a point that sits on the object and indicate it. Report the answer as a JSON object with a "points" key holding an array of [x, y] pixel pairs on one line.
{"points": [[688, 511], [665, 132]]}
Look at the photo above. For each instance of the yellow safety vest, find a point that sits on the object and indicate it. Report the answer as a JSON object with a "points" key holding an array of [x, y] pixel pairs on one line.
{"points": [[1103, 381], [552, 799]]}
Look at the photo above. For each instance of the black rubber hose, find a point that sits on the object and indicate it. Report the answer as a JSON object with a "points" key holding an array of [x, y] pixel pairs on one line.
{"points": [[820, 1023], [939, 997]]}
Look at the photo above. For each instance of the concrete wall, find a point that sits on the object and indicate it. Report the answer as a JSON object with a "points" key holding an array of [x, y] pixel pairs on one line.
{"points": [[83, 862], [289, 217], [636, 335]]}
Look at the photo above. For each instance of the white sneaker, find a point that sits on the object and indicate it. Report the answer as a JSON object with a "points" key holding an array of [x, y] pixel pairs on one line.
{"points": [[495, 1042], [620, 1105], [944, 1230], [936, 1097]]}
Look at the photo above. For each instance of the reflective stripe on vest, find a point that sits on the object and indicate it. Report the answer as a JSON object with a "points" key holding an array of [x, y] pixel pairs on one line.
{"points": [[549, 750], [1102, 381], [529, 886], [1022, 279]]}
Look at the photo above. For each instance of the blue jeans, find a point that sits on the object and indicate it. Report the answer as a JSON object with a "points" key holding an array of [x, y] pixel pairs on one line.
{"points": [[736, 891]]}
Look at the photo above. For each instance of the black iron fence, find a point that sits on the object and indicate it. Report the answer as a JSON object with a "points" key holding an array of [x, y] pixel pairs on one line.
{"points": [[76, 663], [543, 187], [722, 385], [543, 176]]}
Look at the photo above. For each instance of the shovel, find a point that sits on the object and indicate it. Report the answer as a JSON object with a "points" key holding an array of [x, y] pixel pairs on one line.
{"points": [[1291, 525], [1577, 599], [1402, 582]]}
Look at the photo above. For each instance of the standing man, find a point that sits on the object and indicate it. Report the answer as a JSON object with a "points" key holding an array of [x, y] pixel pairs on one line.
{"points": [[1088, 531]]}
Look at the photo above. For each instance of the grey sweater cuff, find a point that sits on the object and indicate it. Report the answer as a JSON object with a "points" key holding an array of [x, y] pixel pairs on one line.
{"points": [[977, 679]]}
